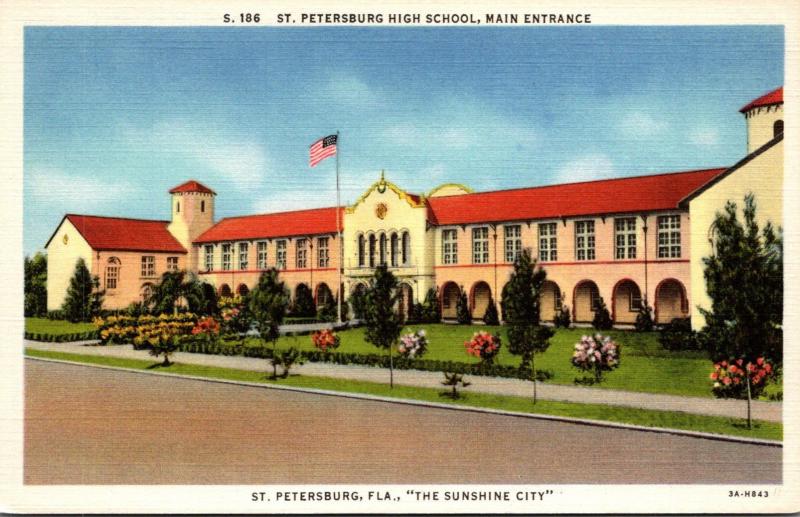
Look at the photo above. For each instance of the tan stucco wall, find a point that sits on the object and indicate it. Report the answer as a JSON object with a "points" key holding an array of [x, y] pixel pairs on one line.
{"points": [[131, 281], [760, 122], [188, 223], [61, 259], [763, 176]]}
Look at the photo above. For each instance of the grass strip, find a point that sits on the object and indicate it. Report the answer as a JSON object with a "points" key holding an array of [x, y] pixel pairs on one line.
{"points": [[643, 417]]}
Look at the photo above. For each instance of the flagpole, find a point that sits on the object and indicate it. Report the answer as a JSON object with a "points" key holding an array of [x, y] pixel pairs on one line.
{"points": [[340, 251]]}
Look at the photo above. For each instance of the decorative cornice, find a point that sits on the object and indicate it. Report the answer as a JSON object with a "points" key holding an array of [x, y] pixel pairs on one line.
{"points": [[446, 185], [382, 183]]}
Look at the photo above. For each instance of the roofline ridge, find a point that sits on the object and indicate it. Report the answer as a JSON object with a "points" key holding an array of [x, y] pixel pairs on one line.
{"points": [[115, 217], [277, 213]]}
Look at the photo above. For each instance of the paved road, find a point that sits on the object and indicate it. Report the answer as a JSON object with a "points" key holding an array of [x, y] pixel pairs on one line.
{"points": [[85, 425], [763, 410]]}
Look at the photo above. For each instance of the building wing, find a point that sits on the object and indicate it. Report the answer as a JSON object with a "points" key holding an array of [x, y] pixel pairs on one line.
{"points": [[119, 233], [280, 224]]}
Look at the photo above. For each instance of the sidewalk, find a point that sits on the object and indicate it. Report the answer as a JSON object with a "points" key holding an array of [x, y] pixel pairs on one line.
{"points": [[771, 411]]}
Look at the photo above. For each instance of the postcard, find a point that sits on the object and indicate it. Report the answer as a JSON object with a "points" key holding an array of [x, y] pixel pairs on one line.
{"points": [[407, 258]]}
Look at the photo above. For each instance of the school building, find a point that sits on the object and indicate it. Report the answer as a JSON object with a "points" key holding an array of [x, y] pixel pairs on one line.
{"points": [[625, 240]]}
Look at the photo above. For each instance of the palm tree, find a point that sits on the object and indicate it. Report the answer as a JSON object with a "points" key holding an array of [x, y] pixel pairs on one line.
{"points": [[175, 289]]}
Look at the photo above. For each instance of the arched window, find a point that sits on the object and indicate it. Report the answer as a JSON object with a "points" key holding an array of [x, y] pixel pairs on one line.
{"points": [[112, 273], [361, 250], [395, 247], [372, 251], [383, 249], [777, 128], [406, 249]]}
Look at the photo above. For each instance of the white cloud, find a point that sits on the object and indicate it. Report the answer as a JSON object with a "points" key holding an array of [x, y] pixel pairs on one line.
{"points": [[704, 136], [350, 89], [638, 125], [60, 191], [587, 168]]}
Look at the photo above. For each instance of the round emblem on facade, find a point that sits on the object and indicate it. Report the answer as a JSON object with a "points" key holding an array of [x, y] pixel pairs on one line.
{"points": [[380, 210], [66, 238]]}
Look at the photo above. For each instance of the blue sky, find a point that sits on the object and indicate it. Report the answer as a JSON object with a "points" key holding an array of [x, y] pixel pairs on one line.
{"points": [[114, 117]]}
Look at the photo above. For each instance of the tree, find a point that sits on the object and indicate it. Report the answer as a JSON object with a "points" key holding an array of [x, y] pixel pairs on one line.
{"points": [[463, 316], [644, 320], [36, 285], [431, 307], [490, 317], [174, 288], [359, 303], [84, 299], [744, 279], [602, 318], [303, 303], [526, 336], [268, 303], [382, 321]]}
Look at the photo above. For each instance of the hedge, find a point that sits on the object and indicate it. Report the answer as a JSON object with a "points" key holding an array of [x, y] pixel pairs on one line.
{"points": [[90, 335], [378, 360]]}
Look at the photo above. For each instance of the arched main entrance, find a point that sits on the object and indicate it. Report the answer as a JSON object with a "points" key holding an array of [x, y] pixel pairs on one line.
{"points": [[549, 301], [626, 301], [480, 296], [671, 301], [585, 299], [450, 294], [324, 295]]}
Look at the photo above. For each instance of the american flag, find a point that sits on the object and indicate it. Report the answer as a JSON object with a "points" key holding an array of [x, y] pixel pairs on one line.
{"points": [[321, 149]]}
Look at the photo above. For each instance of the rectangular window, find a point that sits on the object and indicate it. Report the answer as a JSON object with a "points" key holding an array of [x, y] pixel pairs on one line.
{"points": [[449, 247], [625, 238], [112, 275], [584, 240], [226, 257], [548, 249], [172, 263], [280, 254], [244, 248], [261, 252], [669, 236], [209, 257], [480, 245], [323, 254], [513, 242], [301, 256], [148, 266]]}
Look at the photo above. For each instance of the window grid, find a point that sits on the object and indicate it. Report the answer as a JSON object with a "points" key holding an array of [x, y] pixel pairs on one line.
{"points": [[148, 266], [449, 247], [362, 251], [243, 261], [584, 240], [226, 257], [323, 253], [480, 245], [112, 275], [261, 255], [513, 242], [301, 257], [209, 257], [548, 249], [669, 236], [172, 263], [280, 254], [625, 238]]}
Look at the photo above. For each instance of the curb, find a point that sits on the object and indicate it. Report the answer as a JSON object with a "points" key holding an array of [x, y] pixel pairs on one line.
{"points": [[437, 405]]}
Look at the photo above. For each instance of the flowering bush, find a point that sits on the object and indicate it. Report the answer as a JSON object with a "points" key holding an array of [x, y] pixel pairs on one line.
{"points": [[730, 378], [325, 340], [235, 318], [207, 327], [596, 354], [413, 345], [484, 346], [130, 329]]}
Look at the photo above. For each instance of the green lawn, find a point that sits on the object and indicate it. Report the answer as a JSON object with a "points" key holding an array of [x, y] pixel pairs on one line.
{"points": [[649, 418], [46, 326], [645, 365]]}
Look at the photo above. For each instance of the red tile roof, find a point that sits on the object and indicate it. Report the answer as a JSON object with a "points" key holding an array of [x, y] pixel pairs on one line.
{"points": [[773, 97], [192, 186], [117, 233], [621, 195], [280, 224]]}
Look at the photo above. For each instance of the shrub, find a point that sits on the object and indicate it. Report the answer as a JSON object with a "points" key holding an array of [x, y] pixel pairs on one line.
{"points": [[602, 318], [303, 306], [235, 315], [431, 308], [206, 328], [463, 316], [286, 359], [484, 346], [453, 379], [327, 311], [562, 318], [678, 335], [644, 320], [57, 314], [730, 378], [325, 340], [136, 309], [596, 354], [490, 317], [415, 315], [413, 345]]}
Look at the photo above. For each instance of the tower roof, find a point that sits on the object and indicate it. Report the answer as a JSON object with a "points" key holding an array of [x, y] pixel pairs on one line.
{"points": [[192, 186], [768, 99]]}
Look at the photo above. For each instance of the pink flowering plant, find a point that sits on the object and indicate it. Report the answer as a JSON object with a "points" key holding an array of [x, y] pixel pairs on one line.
{"points": [[730, 378], [413, 345], [325, 340], [234, 316], [484, 346], [596, 354]]}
